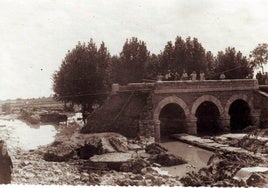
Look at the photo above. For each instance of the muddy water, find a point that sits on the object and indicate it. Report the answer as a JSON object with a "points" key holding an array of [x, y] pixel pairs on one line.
{"points": [[18, 134], [197, 158]]}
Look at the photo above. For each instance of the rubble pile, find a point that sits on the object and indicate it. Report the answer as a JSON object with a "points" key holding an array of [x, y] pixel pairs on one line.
{"points": [[30, 168], [222, 167], [257, 141], [149, 177]]}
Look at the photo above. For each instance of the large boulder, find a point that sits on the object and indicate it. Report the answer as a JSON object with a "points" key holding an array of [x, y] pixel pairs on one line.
{"points": [[111, 161], [86, 146], [105, 142]]}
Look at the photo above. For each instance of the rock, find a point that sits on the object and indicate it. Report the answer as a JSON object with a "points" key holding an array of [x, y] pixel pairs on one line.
{"points": [[112, 157], [135, 147], [105, 146], [155, 148], [258, 180], [60, 153], [102, 142], [253, 176], [138, 165], [157, 181], [87, 151], [148, 170], [112, 161], [119, 144], [166, 159], [138, 177], [149, 176]]}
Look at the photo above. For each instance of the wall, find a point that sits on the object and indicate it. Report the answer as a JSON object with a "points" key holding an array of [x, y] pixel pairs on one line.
{"points": [[120, 113]]}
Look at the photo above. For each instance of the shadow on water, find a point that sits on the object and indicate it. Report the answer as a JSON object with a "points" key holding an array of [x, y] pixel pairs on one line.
{"points": [[196, 157]]}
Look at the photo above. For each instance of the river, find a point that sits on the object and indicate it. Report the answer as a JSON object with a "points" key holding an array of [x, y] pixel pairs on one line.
{"points": [[196, 157], [18, 134]]}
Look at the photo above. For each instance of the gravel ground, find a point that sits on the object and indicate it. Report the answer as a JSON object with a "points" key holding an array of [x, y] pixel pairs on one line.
{"points": [[29, 167]]}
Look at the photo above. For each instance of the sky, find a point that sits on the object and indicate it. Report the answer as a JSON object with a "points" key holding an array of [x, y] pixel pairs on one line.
{"points": [[36, 35]]}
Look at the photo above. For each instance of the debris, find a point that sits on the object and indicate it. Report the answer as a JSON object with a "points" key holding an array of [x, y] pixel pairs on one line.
{"points": [[222, 166], [155, 148], [166, 159]]}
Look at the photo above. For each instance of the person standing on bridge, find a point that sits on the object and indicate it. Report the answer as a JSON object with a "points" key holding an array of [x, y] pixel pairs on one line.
{"points": [[202, 75], [222, 76], [6, 165], [184, 75], [193, 76]]}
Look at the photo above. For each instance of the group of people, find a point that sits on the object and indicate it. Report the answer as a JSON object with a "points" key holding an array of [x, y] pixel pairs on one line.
{"points": [[262, 78], [176, 76]]}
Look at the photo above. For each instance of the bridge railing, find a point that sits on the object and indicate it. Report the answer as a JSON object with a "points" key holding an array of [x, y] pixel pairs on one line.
{"points": [[188, 85]]}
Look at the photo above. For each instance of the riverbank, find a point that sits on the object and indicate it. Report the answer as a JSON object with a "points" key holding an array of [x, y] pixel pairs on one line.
{"points": [[31, 168]]}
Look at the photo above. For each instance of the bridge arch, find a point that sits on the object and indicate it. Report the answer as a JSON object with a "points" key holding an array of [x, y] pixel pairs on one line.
{"points": [[208, 110], [239, 108], [170, 117], [209, 98], [169, 100], [237, 97]]}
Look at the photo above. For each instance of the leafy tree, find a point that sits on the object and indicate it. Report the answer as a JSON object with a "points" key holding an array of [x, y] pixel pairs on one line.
{"points": [[152, 67], [167, 58], [233, 64], [188, 55], [114, 70], [210, 65], [259, 56], [81, 78], [132, 61]]}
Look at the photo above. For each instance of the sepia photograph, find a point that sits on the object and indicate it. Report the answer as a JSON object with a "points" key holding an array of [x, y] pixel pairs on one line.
{"points": [[143, 93]]}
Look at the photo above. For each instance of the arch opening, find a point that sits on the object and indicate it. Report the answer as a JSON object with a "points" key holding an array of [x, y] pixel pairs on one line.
{"points": [[239, 115], [172, 121], [208, 119]]}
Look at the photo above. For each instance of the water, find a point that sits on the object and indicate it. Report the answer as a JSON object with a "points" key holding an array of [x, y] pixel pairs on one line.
{"points": [[18, 134], [196, 157]]}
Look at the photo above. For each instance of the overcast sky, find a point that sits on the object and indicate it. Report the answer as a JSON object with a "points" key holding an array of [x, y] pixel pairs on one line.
{"points": [[35, 35]]}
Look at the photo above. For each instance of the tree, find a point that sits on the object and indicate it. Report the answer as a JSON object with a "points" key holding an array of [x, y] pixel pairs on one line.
{"points": [[152, 67], [167, 58], [233, 64], [132, 61], [210, 65], [81, 78], [259, 56], [188, 55]]}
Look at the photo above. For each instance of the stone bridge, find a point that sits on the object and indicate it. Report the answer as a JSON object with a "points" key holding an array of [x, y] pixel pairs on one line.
{"points": [[199, 107]]}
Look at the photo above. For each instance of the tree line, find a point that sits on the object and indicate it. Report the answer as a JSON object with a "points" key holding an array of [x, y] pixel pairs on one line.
{"points": [[87, 71]]}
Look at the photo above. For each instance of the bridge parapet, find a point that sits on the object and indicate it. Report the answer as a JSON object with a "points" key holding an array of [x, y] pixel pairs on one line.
{"points": [[206, 85], [133, 87], [189, 86]]}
